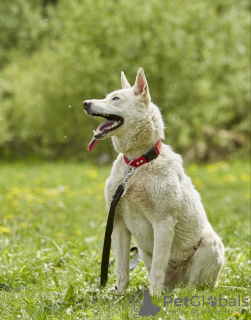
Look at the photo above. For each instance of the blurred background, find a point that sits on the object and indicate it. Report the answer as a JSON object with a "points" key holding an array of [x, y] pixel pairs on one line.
{"points": [[56, 53]]}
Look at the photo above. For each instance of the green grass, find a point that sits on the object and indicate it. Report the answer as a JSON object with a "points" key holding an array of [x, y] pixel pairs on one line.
{"points": [[52, 220]]}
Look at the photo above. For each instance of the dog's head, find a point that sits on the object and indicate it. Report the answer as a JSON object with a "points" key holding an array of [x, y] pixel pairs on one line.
{"points": [[123, 109]]}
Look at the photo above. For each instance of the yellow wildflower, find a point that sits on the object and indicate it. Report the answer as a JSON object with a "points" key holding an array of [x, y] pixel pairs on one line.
{"points": [[72, 193], [193, 167], [78, 232], [23, 225], [236, 314], [198, 183], [100, 185], [17, 191], [4, 230], [41, 200], [14, 203], [92, 173], [245, 177], [216, 166], [229, 178]]}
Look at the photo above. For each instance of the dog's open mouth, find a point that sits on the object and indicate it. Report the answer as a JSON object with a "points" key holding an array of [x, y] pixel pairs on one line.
{"points": [[113, 122]]}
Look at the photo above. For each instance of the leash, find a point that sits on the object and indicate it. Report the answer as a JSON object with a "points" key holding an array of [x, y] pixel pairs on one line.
{"points": [[109, 228], [149, 156]]}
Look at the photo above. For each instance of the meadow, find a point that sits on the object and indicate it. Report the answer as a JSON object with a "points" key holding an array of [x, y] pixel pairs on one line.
{"points": [[52, 222]]}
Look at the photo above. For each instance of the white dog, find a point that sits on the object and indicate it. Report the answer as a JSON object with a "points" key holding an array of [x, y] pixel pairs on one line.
{"points": [[160, 206]]}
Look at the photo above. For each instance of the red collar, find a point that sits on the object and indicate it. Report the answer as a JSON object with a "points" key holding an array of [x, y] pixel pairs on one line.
{"points": [[149, 156]]}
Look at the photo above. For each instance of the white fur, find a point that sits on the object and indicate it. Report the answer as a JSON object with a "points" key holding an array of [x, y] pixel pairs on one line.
{"points": [[160, 207]]}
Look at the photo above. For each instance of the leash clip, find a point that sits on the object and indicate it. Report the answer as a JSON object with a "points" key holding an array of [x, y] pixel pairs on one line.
{"points": [[129, 172]]}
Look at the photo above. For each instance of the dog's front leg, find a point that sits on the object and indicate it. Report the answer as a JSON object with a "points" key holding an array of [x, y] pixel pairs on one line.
{"points": [[121, 239], [163, 236]]}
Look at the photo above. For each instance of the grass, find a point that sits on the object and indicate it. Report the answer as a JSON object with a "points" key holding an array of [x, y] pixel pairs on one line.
{"points": [[52, 220]]}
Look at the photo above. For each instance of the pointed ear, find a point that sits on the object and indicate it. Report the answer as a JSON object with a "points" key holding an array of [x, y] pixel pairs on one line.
{"points": [[124, 82], [141, 87]]}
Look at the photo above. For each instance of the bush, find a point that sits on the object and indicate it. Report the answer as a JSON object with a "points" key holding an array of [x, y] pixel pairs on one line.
{"points": [[195, 60]]}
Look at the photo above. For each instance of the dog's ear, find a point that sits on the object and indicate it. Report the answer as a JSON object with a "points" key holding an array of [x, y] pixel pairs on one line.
{"points": [[124, 82], [141, 87]]}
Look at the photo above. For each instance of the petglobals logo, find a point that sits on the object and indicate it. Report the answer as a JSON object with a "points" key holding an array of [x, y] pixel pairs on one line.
{"points": [[143, 306], [197, 301]]}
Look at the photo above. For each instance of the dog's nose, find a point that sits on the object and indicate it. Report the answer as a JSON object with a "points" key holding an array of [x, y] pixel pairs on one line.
{"points": [[86, 104]]}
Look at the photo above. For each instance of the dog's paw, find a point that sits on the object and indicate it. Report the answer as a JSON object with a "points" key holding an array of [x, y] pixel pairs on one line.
{"points": [[155, 291], [121, 290]]}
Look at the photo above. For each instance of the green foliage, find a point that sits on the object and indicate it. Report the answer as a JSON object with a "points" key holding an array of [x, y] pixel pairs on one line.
{"points": [[195, 59], [52, 224], [21, 28]]}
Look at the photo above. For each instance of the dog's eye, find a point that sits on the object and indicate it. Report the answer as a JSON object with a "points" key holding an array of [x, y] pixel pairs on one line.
{"points": [[115, 98]]}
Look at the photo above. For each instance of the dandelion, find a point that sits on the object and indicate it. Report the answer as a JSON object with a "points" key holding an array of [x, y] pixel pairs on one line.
{"points": [[10, 216], [229, 178], [193, 167], [100, 185], [17, 191], [23, 225], [212, 168], [198, 182], [236, 314], [72, 194], [92, 173], [4, 230], [245, 177], [78, 232], [41, 200], [217, 166], [14, 203]]}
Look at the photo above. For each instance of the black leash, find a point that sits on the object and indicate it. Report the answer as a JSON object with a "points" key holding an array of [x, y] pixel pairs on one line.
{"points": [[109, 228], [108, 233]]}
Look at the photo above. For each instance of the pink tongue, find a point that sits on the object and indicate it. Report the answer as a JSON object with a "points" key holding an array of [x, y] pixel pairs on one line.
{"points": [[92, 144], [101, 127]]}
